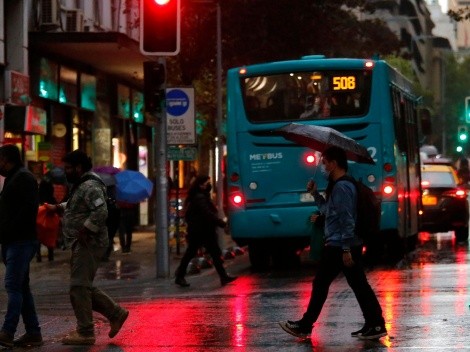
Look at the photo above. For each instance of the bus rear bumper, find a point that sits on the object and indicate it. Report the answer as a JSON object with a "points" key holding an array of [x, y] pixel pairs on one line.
{"points": [[264, 223]]}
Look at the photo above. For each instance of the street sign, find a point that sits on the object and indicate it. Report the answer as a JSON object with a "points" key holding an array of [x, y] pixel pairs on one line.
{"points": [[183, 153], [180, 116]]}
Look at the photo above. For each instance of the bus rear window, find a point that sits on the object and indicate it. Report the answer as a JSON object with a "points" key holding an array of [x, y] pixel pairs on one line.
{"points": [[306, 95]]}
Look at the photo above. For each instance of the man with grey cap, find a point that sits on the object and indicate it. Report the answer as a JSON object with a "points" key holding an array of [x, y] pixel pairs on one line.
{"points": [[85, 232]]}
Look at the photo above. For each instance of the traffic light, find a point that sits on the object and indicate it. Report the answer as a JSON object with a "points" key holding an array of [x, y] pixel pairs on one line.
{"points": [[154, 80], [160, 27], [462, 134], [467, 109]]}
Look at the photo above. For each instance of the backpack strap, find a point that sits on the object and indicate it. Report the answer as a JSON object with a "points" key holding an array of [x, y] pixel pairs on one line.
{"points": [[84, 179]]}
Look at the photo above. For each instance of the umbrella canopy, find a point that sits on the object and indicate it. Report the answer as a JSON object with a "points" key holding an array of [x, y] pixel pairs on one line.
{"points": [[320, 138], [132, 186], [109, 170], [107, 179]]}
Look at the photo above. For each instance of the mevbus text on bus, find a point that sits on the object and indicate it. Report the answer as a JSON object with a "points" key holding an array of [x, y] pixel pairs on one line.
{"points": [[367, 100]]}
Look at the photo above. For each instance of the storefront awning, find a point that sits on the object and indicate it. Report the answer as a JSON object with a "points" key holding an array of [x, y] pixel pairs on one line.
{"points": [[110, 52]]}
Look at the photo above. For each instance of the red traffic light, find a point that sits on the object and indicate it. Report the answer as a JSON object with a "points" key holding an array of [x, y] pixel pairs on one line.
{"points": [[160, 27]]}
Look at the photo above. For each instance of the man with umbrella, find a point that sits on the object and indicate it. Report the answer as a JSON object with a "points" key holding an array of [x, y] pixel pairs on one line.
{"points": [[342, 252]]}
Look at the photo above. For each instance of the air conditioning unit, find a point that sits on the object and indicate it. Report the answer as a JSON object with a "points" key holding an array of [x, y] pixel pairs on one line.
{"points": [[49, 13], [74, 20]]}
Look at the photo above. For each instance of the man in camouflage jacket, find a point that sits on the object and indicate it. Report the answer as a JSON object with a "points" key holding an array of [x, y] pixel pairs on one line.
{"points": [[85, 232]]}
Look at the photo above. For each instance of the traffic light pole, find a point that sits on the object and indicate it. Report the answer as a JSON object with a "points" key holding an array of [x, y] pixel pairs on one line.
{"points": [[161, 199]]}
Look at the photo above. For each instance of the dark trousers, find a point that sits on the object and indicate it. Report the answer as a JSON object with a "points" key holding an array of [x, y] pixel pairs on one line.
{"points": [[331, 264], [112, 223], [86, 298], [126, 227], [17, 257], [211, 246]]}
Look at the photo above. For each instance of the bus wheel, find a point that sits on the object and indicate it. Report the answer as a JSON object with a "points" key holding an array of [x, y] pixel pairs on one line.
{"points": [[285, 257], [259, 255], [461, 234]]}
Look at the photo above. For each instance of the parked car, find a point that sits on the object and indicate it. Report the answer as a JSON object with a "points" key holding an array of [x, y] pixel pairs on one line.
{"points": [[445, 203]]}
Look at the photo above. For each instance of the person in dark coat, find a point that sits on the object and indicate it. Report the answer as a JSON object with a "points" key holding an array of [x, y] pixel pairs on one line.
{"points": [[202, 221], [19, 204]]}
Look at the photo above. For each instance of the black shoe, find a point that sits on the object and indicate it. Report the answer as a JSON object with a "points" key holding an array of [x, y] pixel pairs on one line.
{"points": [[296, 328], [181, 281], [360, 332], [29, 340], [227, 279], [6, 339], [374, 332]]}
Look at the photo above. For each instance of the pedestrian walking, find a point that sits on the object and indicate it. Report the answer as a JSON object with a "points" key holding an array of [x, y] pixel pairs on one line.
{"points": [[126, 225], [202, 221], [341, 253], [85, 233], [113, 220], [18, 211]]}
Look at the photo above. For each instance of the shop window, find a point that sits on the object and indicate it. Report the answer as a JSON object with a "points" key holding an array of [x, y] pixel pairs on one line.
{"points": [[68, 86], [138, 106], [48, 79], [124, 101], [88, 92]]}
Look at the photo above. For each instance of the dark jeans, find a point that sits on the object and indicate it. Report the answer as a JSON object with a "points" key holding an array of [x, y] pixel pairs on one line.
{"points": [[331, 264], [211, 246], [86, 298], [17, 257]]}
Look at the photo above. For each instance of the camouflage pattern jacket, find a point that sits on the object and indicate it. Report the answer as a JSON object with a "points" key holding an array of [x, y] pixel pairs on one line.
{"points": [[86, 207]]}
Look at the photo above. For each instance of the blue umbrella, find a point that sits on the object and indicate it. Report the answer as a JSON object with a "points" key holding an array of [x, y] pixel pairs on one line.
{"points": [[56, 175], [132, 186]]}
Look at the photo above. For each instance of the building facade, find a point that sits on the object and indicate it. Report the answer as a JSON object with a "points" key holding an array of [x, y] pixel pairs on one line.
{"points": [[72, 78]]}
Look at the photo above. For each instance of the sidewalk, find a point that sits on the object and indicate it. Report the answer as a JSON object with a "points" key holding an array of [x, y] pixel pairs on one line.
{"points": [[130, 279]]}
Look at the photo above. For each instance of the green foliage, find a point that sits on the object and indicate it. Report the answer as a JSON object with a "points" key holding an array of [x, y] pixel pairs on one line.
{"points": [[262, 30]]}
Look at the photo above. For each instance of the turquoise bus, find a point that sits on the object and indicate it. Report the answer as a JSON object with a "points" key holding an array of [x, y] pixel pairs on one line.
{"points": [[367, 100]]}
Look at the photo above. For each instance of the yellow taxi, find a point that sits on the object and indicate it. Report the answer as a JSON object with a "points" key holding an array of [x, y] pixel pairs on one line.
{"points": [[445, 204]]}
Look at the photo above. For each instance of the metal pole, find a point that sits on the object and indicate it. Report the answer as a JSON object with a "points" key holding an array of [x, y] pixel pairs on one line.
{"points": [[219, 141], [161, 199]]}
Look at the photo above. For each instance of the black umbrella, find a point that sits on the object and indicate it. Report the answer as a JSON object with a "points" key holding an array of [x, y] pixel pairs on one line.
{"points": [[320, 138]]}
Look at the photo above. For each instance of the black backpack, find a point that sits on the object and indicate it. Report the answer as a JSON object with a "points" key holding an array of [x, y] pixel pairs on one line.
{"points": [[110, 196], [368, 211]]}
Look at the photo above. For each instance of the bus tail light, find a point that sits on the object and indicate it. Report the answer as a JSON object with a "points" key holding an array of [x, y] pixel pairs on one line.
{"points": [[234, 177], [388, 167], [237, 199], [310, 158], [388, 189], [235, 196]]}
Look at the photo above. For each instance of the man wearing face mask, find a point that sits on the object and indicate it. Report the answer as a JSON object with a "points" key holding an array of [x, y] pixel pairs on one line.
{"points": [[342, 252], [86, 234], [202, 221], [19, 203]]}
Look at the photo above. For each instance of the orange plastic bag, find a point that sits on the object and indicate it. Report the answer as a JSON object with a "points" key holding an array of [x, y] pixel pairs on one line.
{"points": [[47, 226]]}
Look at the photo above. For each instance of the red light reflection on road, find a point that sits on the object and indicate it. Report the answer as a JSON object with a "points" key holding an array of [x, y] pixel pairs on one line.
{"points": [[392, 287], [461, 285], [239, 306]]}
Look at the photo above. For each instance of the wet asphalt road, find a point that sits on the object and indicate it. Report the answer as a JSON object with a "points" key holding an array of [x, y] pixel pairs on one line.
{"points": [[425, 304]]}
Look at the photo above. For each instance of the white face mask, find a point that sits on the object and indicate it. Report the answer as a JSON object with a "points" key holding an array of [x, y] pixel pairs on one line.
{"points": [[324, 172]]}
